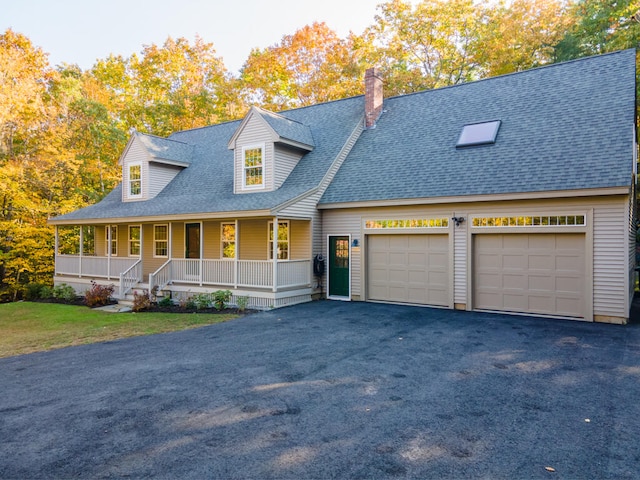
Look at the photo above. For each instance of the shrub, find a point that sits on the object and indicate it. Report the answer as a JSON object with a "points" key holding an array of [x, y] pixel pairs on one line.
{"points": [[64, 292], [98, 295], [202, 300], [242, 303], [221, 298], [165, 302], [33, 291], [46, 292], [141, 301]]}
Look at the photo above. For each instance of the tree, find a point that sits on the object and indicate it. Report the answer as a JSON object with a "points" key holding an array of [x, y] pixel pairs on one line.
{"points": [[174, 87], [311, 66], [520, 35], [599, 26], [425, 45]]}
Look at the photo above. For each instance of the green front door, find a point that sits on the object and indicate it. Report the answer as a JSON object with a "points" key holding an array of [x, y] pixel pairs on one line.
{"points": [[339, 266]]}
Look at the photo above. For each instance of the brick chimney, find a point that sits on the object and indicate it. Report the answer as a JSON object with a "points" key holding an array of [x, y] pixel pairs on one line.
{"points": [[373, 97]]}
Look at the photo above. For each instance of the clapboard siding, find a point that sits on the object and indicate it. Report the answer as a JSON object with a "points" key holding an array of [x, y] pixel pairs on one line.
{"points": [[299, 238], [253, 240], [254, 133], [160, 176], [631, 223], [460, 261], [135, 153], [610, 260], [284, 163], [177, 240], [211, 238]]}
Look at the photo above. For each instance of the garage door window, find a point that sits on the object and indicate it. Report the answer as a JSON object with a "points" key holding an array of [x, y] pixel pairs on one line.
{"points": [[407, 223], [531, 221]]}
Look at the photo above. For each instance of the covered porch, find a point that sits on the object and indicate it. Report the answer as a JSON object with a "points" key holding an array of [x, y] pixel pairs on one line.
{"points": [[247, 256]]}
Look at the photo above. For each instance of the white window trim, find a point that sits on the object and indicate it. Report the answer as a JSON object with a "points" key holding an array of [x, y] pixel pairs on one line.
{"points": [[114, 240], [139, 240], [533, 226], [129, 194], [155, 240], [262, 147], [235, 240], [270, 250]]}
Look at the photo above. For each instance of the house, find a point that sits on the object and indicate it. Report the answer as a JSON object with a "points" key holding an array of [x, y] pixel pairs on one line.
{"points": [[510, 194]]}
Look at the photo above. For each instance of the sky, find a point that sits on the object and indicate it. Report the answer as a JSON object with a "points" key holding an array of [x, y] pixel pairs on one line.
{"points": [[82, 31]]}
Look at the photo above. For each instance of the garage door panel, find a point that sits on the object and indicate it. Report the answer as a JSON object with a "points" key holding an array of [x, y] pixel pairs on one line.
{"points": [[408, 268], [533, 273]]}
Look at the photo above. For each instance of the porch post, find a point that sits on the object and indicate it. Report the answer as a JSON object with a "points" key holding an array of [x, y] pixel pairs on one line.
{"points": [[170, 242], [81, 251], [55, 250], [201, 252], [109, 240], [274, 249], [236, 255]]}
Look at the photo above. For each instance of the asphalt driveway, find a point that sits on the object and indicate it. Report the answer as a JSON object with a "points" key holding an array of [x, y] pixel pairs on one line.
{"points": [[332, 390]]}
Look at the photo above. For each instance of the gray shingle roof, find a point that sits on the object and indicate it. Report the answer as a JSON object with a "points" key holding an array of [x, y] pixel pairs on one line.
{"points": [[287, 129], [164, 149], [564, 126], [207, 184]]}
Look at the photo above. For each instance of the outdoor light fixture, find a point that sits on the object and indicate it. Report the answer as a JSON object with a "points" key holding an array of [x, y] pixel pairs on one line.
{"points": [[355, 243], [458, 220]]}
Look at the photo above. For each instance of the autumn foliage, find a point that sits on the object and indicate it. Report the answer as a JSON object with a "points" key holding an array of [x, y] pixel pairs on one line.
{"points": [[62, 129]]}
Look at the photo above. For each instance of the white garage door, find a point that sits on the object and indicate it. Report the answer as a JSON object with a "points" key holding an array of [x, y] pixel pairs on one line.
{"points": [[531, 273], [408, 268]]}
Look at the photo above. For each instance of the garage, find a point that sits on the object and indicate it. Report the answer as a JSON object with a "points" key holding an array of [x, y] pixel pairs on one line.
{"points": [[408, 268], [539, 273]]}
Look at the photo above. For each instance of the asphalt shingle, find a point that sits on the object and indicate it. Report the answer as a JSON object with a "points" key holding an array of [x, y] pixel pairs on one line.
{"points": [[565, 126]]}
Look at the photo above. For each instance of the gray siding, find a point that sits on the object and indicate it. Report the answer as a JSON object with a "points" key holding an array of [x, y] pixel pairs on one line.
{"points": [[284, 163], [160, 176], [610, 226], [460, 261], [255, 132], [135, 153], [610, 261]]}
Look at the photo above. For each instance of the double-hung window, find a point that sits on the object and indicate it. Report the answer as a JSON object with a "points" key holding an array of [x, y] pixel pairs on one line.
{"points": [[135, 180], [134, 240], [253, 167], [114, 239], [281, 241], [160, 241], [228, 240]]}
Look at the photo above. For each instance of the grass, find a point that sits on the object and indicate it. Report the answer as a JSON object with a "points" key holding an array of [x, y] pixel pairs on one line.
{"points": [[27, 327]]}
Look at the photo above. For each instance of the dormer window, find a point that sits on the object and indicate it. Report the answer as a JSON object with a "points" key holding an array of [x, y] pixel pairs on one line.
{"points": [[135, 180], [253, 166]]}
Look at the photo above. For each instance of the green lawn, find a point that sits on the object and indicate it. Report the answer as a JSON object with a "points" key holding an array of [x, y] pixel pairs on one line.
{"points": [[27, 327]]}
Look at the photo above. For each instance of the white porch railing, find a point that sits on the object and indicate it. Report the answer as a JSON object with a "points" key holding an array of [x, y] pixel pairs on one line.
{"points": [[293, 273], [224, 273], [93, 266], [255, 273], [130, 278], [240, 273], [161, 277]]}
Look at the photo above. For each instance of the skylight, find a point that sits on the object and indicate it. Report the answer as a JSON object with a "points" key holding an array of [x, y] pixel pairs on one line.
{"points": [[478, 134]]}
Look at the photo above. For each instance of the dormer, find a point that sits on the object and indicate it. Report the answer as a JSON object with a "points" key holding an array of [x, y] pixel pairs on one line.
{"points": [[267, 146], [149, 163]]}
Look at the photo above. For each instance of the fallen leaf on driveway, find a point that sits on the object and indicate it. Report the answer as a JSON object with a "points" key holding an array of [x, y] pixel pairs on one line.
{"points": [[550, 469]]}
